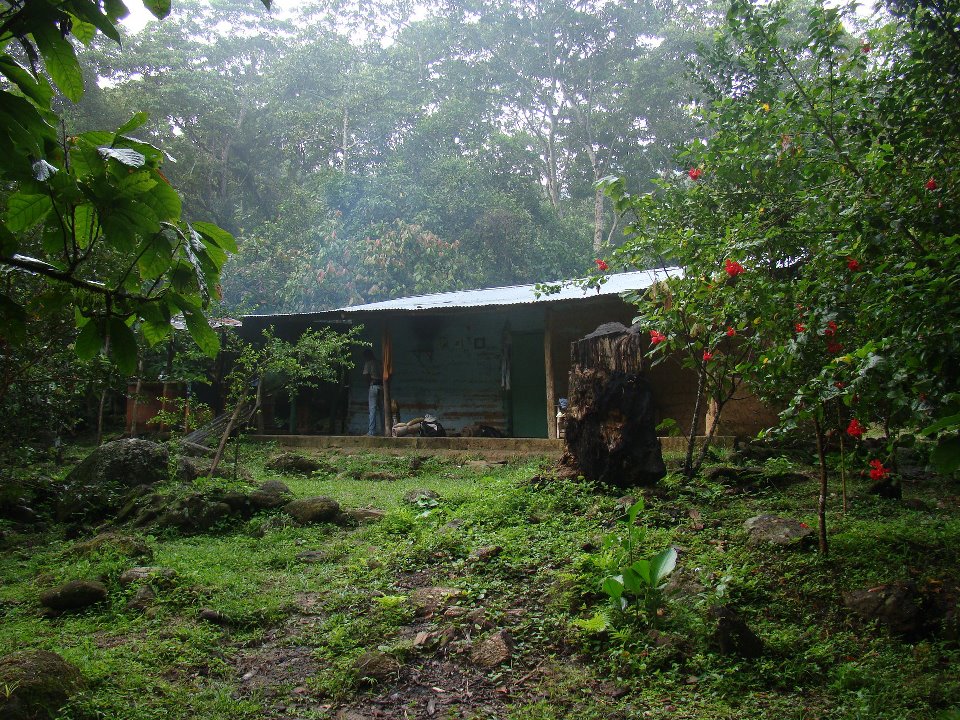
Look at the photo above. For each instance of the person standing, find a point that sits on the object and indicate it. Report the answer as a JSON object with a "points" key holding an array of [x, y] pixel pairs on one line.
{"points": [[374, 376]]}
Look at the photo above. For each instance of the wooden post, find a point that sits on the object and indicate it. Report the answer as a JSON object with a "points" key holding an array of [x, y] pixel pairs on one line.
{"points": [[386, 365], [548, 369]]}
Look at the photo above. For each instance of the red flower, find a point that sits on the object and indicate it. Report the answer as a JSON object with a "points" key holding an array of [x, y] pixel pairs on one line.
{"points": [[804, 525], [731, 332], [733, 268], [601, 265], [878, 471], [865, 48], [852, 264], [657, 337], [855, 429], [707, 356], [800, 327], [831, 329], [834, 347], [931, 184], [839, 385], [695, 173]]}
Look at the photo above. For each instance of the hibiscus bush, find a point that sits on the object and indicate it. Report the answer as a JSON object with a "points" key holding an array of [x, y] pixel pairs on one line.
{"points": [[816, 221]]}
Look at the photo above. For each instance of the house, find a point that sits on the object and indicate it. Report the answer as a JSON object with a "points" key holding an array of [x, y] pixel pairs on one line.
{"points": [[498, 357]]}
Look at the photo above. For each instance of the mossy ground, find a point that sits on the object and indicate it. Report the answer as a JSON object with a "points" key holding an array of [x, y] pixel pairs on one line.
{"points": [[295, 629]]}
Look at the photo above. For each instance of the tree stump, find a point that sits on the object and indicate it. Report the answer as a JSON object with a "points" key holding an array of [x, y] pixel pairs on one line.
{"points": [[610, 424]]}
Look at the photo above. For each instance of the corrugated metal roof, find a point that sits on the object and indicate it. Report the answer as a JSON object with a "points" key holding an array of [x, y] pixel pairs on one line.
{"points": [[615, 284]]}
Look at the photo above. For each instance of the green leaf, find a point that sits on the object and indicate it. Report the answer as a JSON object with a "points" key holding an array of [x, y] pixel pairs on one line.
{"points": [[84, 222], [159, 8], [216, 235], [662, 564], [641, 569], [8, 241], [35, 88], [130, 158], [25, 211], [89, 341], [156, 256], [13, 321], [206, 338], [60, 60], [946, 455], [163, 200], [90, 13], [136, 183], [941, 424], [634, 510], [83, 31], [133, 123], [597, 624], [612, 587], [123, 346]]}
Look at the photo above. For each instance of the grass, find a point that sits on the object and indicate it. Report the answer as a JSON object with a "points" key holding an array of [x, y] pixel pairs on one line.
{"points": [[819, 663]]}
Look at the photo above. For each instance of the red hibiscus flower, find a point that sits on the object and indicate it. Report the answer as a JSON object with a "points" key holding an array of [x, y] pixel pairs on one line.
{"points": [[733, 268], [731, 332], [800, 327], [657, 337], [839, 385], [707, 356], [695, 173], [852, 264], [601, 265], [855, 429], [878, 471], [931, 184], [834, 347], [831, 329]]}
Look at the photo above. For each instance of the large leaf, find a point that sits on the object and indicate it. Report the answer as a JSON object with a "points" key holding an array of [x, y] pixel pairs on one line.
{"points": [[946, 455], [90, 13], [84, 224], [8, 241], [130, 158], [60, 60], [216, 235], [613, 587], [89, 341], [156, 256], [35, 88], [206, 338], [661, 565], [133, 123], [136, 183], [25, 211], [163, 200], [123, 346], [159, 8]]}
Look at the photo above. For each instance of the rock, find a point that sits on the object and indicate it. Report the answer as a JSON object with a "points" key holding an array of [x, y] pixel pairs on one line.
{"points": [[112, 543], [426, 601], [190, 468], [416, 495], [194, 514], [313, 509], [495, 649], [215, 617], [142, 599], [376, 666], [776, 530], [74, 595], [96, 487], [296, 463], [270, 496], [684, 587], [160, 576], [733, 636], [363, 515], [896, 605], [36, 684], [313, 556], [485, 554]]}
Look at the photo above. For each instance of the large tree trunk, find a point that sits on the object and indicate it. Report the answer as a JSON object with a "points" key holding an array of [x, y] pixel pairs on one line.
{"points": [[610, 426]]}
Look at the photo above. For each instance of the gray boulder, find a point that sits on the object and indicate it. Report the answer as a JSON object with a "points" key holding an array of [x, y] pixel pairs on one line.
{"points": [[295, 463], [495, 649], [313, 510], [74, 595], [773, 530], [896, 606], [98, 486], [160, 576], [36, 684]]}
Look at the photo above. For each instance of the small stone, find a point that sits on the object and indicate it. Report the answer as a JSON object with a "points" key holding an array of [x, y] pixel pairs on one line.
{"points": [[485, 554], [426, 601], [363, 515], [143, 598], [162, 576], [492, 651], [74, 595], [313, 556], [214, 617], [776, 530], [733, 636], [313, 510], [418, 494], [376, 666], [109, 542]]}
